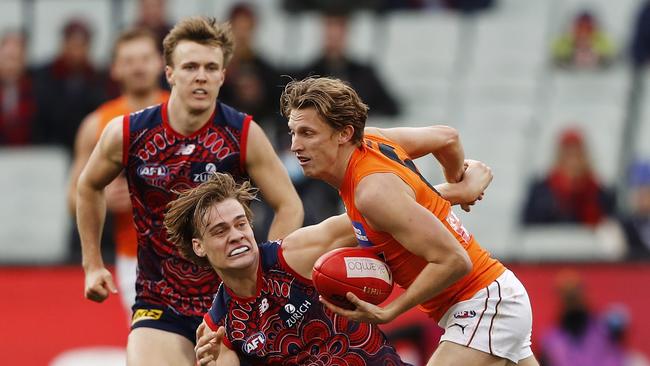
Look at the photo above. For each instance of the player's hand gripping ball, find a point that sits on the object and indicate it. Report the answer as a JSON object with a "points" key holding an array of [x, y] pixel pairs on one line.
{"points": [[355, 270]]}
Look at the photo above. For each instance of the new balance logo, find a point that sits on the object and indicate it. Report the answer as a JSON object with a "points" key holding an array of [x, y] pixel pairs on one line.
{"points": [[186, 149], [264, 306]]}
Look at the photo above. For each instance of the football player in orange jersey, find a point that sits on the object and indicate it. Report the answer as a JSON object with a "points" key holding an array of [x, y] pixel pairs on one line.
{"points": [[482, 306], [137, 66]]}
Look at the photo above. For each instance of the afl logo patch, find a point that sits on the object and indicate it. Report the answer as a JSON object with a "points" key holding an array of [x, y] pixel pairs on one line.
{"points": [[152, 170], [254, 343]]}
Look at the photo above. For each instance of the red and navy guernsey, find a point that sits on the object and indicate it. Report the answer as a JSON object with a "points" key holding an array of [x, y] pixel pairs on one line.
{"points": [[285, 324], [159, 162]]}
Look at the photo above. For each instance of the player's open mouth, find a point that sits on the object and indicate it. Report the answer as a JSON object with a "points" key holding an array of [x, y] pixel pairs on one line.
{"points": [[302, 160], [238, 250], [200, 92]]}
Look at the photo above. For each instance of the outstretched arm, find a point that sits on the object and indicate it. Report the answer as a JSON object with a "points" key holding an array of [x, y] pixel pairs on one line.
{"points": [[441, 141], [268, 173], [104, 164]]}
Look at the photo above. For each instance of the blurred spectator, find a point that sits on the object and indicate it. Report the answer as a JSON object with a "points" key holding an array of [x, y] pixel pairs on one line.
{"points": [[617, 322], [68, 88], [578, 339], [468, 6], [637, 223], [641, 37], [17, 103], [327, 6], [570, 193], [252, 85], [584, 46], [363, 78], [152, 15]]}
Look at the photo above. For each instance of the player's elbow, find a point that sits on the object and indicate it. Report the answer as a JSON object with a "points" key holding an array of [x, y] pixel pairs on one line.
{"points": [[460, 263], [292, 208], [450, 136]]}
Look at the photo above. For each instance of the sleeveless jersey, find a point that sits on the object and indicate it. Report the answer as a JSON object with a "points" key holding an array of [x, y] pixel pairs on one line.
{"points": [[378, 155], [285, 324], [126, 243], [159, 163]]}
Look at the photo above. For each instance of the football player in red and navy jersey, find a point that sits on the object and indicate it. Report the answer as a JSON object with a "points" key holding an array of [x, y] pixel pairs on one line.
{"points": [[165, 149], [267, 311]]}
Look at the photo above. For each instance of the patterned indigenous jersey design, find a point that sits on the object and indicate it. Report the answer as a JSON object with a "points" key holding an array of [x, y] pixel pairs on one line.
{"points": [[126, 241], [285, 324], [160, 162], [378, 155]]}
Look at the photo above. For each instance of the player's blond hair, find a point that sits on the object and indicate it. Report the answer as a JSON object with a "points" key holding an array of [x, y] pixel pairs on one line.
{"points": [[334, 100], [186, 217], [202, 30]]}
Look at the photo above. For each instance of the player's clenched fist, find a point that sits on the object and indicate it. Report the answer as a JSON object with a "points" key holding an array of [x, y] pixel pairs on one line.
{"points": [[208, 344], [99, 284]]}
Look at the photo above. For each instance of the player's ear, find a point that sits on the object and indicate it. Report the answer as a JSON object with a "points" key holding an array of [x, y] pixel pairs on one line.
{"points": [[197, 246], [345, 134], [169, 75]]}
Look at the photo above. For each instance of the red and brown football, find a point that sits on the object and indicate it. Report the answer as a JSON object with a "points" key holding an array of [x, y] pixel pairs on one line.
{"points": [[355, 270]]}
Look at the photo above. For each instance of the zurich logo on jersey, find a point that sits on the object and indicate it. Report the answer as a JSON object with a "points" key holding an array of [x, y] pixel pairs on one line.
{"points": [[153, 170], [210, 168], [360, 233], [254, 343]]}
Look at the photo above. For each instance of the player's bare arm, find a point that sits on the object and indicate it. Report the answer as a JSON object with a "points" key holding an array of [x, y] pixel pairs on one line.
{"points": [[304, 246], [441, 141], [420, 232], [270, 176], [83, 146], [104, 164], [210, 349]]}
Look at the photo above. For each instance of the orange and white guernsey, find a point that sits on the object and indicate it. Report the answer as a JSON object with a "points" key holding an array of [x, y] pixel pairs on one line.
{"points": [[379, 155], [124, 228]]}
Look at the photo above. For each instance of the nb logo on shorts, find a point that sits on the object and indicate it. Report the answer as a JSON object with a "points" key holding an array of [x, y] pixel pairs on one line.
{"points": [[146, 314]]}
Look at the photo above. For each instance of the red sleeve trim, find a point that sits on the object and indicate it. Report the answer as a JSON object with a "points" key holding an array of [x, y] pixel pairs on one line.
{"points": [[286, 267], [209, 322], [125, 140], [243, 144]]}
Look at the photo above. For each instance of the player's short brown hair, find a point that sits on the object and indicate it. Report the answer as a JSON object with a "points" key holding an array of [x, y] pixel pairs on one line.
{"points": [[186, 216], [334, 100], [202, 30], [133, 34]]}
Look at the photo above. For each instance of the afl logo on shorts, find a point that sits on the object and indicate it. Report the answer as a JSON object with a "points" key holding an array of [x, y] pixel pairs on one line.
{"points": [[254, 343], [152, 171]]}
